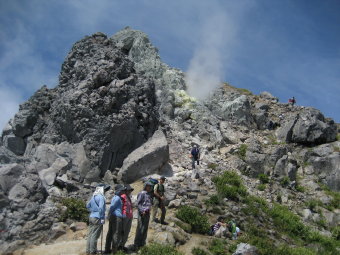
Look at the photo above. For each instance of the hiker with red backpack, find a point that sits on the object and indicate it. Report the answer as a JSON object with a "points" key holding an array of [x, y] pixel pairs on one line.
{"points": [[159, 201], [127, 215]]}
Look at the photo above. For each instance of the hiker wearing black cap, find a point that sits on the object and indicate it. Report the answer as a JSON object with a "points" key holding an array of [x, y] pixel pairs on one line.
{"points": [[97, 207], [127, 214], [114, 234], [144, 203], [159, 200]]}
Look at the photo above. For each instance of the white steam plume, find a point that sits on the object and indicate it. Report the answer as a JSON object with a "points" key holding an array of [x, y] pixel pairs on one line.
{"points": [[205, 71]]}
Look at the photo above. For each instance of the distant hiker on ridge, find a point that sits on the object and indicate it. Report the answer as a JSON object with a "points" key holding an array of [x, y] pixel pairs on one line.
{"points": [[195, 155], [97, 207], [144, 203], [158, 201], [114, 234], [292, 101]]}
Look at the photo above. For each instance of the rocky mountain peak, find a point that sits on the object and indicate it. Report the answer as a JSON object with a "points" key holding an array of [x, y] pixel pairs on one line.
{"points": [[119, 113]]}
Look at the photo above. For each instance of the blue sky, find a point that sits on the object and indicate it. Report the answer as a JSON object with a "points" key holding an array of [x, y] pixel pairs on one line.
{"points": [[289, 48]]}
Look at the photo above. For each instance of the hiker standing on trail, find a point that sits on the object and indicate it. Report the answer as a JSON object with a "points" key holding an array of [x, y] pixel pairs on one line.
{"points": [[97, 207], [159, 201], [114, 234], [195, 155], [127, 214], [144, 203]]}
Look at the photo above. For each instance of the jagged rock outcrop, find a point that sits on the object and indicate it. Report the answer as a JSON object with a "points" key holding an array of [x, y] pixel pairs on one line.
{"points": [[308, 127], [119, 114]]}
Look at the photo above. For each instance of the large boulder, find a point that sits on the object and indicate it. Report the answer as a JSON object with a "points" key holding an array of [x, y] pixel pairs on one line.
{"points": [[9, 175], [327, 168], [286, 167], [145, 160], [308, 127], [15, 144], [245, 249]]}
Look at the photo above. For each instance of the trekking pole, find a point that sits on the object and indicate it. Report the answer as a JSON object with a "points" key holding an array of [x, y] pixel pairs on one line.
{"points": [[101, 243]]}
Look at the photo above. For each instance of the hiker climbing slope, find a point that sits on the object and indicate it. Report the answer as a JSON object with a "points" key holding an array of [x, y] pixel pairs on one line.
{"points": [[144, 203], [97, 207], [159, 201], [195, 155]]}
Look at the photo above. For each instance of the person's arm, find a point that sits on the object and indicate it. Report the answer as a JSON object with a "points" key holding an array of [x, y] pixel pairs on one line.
{"points": [[88, 205], [140, 202], [101, 206], [156, 191]]}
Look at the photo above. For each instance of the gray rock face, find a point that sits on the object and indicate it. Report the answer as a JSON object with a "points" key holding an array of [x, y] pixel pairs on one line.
{"points": [[325, 163], [15, 144], [145, 160], [286, 167], [245, 249], [308, 127]]}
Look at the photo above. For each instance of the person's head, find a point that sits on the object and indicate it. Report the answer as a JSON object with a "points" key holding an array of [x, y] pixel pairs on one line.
{"points": [[148, 186], [102, 188], [162, 179], [119, 189], [220, 219], [128, 189], [195, 146]]}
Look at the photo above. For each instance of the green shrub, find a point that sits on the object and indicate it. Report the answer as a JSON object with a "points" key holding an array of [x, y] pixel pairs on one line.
{"points": [[193, 216], [76, 210], [229, 185], [218, 247], [300, 188], [263, 178], [338, 137], [213, 200], [336, 233], [261, 187], [312, 204], [198, 251], [285, 181], [157, 249], [212, 166], [242, 151]]}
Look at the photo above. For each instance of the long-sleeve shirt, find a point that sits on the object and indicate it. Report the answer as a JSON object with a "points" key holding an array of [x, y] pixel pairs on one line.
{"points": [[116, 206], [144, 202], [97, 207], [127, 206]]}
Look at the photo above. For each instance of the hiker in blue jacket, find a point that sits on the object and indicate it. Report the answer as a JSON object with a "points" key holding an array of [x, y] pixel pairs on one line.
{"points": [[195, 155], [96, 206], [115, 233]]}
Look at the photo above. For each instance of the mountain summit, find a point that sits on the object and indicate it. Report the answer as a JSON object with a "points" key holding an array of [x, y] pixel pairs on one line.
{"points": [[119, 113]]}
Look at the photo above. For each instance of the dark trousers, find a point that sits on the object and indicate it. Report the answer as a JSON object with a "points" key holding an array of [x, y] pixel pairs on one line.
{"points": [[142, 230], [158, 204], [193, 161], [114, 234]]}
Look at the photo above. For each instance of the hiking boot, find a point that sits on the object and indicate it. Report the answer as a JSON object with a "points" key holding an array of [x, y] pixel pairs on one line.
{"points": [[156, 220], [164, 223]]}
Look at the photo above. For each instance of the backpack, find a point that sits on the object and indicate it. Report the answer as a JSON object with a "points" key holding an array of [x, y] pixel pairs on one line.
{"points": [[153, 181], [211, 230], [232, 226]]}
